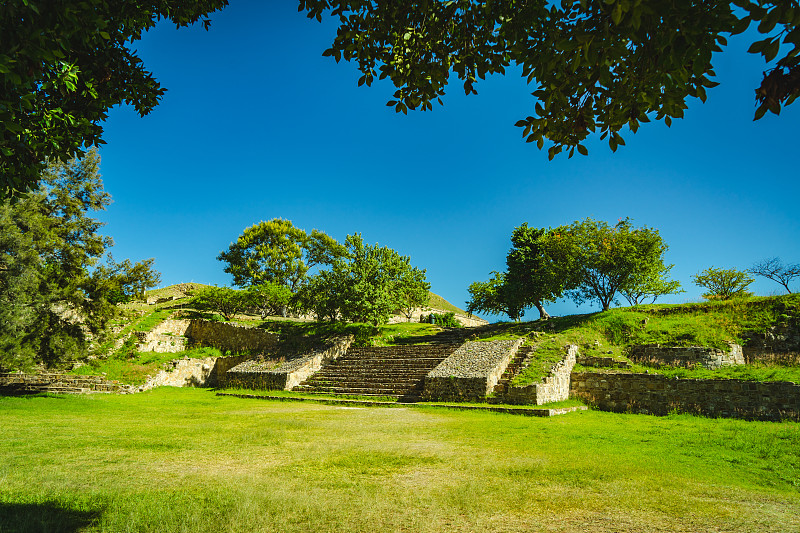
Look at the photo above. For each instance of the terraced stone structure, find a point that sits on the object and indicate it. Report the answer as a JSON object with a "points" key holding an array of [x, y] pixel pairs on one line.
{"points": [[388, 371], [56, 382], [688, 356], [472, 372]]}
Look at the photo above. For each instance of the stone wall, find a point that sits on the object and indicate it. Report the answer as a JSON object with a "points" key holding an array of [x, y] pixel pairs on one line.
{"points": [[230, 337], [686, 356], [554, 387], [177, 335], [602, 362], [282, 375], [471, 372], [660, 395], [17, 382], [781, 344], [170, 336]]}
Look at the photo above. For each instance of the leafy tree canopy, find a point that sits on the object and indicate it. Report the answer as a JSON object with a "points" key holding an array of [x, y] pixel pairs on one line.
{"points": [[222, 300], [595, 64], [270, 298], [536, 274], [55, 295], [366, 284], [587, 260], [723, 283], [278, 252], [63, 64], [496, 296], [607, 260]]}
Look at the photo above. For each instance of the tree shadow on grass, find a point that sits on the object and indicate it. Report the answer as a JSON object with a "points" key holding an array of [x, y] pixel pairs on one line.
{"points": [[43, 517]]}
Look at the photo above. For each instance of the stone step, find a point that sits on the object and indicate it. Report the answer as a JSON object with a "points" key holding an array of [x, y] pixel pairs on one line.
{"points": [[513, 368], [386, 364], [387, 374], [378, 368], [363, 383], [359, 391], [383, 357]]}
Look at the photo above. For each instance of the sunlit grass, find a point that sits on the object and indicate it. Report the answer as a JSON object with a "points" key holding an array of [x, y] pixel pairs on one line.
{"points": [[136, 369], [186, 460]]}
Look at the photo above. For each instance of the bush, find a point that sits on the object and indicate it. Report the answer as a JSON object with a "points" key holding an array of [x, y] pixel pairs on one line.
{"points": [[723, 283], [446, 320]]}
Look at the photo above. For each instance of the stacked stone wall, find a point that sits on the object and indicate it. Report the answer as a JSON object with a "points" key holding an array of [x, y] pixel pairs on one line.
{"points": [[230, 337], [660, 395], [554, 387], [781, 345], [471, 372], [16, 382], [170, 336], [603, 362], [282, 375], [686, 356], [173, 336]]}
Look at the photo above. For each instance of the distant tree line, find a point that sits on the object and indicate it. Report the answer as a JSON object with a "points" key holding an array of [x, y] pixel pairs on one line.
{"points": [[587, 261], [592, 261]]}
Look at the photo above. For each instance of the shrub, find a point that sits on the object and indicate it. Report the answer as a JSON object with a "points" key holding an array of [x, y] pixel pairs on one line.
{"points": [[723, 283], [446, 320]]}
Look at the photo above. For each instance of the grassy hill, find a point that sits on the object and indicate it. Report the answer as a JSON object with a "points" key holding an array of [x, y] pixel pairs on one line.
{"points": [[603, 334], [437, 302], [710, 324]]}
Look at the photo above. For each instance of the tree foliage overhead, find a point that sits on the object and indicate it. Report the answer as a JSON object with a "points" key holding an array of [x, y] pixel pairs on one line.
{"points": [[63, 64], [595, 65], [278, 252], [54, 292]]}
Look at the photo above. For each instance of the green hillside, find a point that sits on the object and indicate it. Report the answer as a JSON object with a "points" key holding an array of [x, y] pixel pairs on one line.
{"points": [[437, 302], [710, 324]]}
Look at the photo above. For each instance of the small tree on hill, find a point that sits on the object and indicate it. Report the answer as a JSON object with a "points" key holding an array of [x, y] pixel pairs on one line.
{"points": [[367, 284], [607, 260], [277, 252], [723, 283], [413, 292], [222, 300], [775, 270], [536, 273], [496, 296], [269, 298]]}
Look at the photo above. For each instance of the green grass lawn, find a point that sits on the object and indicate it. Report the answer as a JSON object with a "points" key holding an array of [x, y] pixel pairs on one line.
{"points": [[186, 460]]}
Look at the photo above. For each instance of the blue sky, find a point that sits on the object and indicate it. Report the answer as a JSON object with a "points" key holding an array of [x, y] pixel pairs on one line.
{"points": [[256, 124]]}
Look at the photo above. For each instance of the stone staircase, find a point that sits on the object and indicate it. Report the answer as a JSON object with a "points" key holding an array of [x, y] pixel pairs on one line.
{"points": [[15, 383], [387, 371], [520, 361], [446, 337]]}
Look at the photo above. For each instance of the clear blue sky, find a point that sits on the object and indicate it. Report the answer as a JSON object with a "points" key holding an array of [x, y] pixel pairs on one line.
{"points": [[256, 124]]}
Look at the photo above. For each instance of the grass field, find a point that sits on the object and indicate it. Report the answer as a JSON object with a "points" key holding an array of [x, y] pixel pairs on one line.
{"points": [[186, 460]]}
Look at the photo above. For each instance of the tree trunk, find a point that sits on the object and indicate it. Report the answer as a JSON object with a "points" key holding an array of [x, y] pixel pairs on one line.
{"points": [[543, 315]]}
